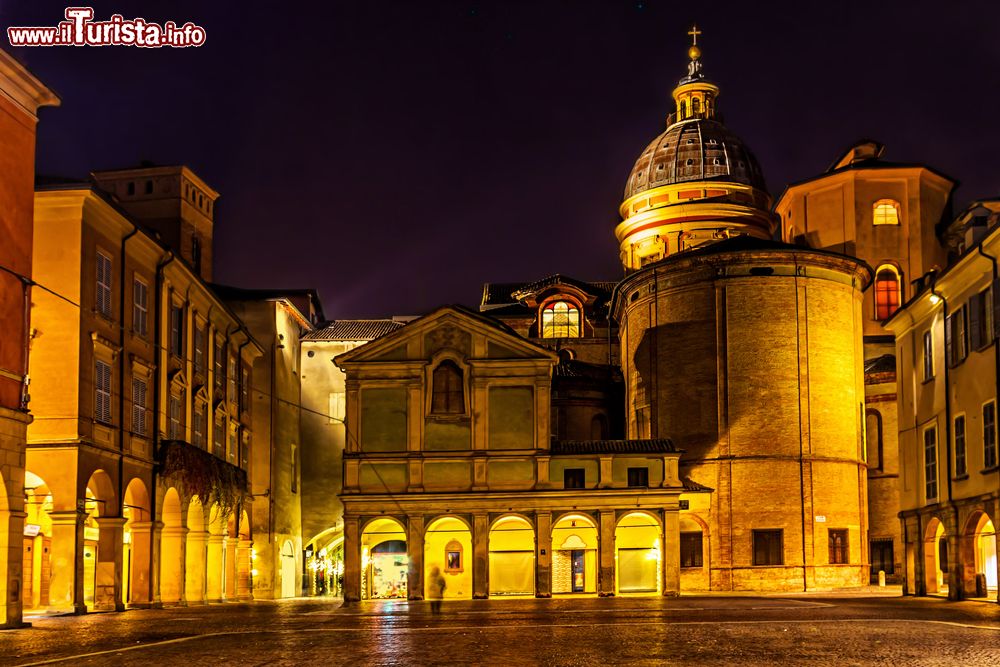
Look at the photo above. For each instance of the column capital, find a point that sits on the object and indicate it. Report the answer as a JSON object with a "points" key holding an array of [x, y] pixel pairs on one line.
{"points": [[111, 521]]}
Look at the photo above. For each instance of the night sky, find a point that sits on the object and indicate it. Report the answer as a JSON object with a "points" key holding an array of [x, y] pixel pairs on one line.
{"points": [[397, 155]]}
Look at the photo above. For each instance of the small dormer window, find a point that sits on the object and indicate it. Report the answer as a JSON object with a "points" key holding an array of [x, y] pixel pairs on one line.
{"points": [[885, 212], [560, 319], [448, 396]]}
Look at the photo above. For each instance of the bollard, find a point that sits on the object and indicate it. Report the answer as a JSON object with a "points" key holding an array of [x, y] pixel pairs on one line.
{"points": [[881, 578]]}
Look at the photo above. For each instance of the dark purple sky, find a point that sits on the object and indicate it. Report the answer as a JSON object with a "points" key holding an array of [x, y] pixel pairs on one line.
{"points": [[396, 155]]}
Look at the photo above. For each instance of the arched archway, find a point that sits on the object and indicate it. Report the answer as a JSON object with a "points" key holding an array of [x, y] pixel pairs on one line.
{"points": [[448, 548], [172, 548], [36, 566], [136, 543], [979, 553], [935, 557], [574, 554], [101, 542], [512, 557], [195, 553], [384, 561], [638, 554], [288, 579], [215, 555]]}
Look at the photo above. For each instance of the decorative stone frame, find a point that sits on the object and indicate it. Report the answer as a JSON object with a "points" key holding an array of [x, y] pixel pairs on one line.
{"points": [[466, 370]]}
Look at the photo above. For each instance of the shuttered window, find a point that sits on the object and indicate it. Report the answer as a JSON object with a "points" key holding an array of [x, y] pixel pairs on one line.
{"points": [[102, 392], [102, 299], [930, 465], [140, 307], [138, 407]]}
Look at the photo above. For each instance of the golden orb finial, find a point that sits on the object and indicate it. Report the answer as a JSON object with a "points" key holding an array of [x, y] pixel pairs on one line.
{"points": [[694, 53]]}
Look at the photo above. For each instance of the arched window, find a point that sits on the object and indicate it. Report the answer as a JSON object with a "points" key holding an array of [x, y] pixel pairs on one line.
{"points": [[682, 109], [560, 319], [885, 212], [448, 397], [695, 105], [888, 293]]}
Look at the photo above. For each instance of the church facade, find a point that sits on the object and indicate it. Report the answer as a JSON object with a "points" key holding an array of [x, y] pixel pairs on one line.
{"points": [[698, 425]]}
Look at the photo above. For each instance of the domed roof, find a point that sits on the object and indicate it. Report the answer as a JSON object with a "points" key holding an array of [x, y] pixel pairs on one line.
{"points": [[697, 149]]}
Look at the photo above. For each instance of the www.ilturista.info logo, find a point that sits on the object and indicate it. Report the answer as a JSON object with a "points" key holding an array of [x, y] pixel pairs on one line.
{"points": [[79, 29]]}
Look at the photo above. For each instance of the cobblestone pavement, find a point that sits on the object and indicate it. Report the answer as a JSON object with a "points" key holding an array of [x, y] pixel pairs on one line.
{"points": [[691, 630]]}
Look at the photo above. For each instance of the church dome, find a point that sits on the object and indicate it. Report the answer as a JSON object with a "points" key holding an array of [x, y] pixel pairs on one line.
{"points": [[697, 149]]}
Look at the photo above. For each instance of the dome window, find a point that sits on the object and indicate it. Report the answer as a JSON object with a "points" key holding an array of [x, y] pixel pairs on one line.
{"points": [[560, 319], [888, 292], [690, 141], [716, 161], [885, 212], [690, 162], [659, 167]]}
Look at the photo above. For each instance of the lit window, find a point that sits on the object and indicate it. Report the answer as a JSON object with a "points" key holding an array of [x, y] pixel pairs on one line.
{"points": [[887, 292], [560, 319], [885, 212], [839, 554], [447, 397]]}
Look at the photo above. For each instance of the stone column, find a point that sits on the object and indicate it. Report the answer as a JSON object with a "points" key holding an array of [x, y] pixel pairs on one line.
{"points": [[480, 556], [244, 591], [415, 551], [155, 559], [194, 579], [172, 587], [956, 588], [229, 583], [140, 581], [920, 562], [671, 554], [215, 567], [110, 551], [66, 587], [543, 554], [15, 557], [606, 554], [352, 559]]}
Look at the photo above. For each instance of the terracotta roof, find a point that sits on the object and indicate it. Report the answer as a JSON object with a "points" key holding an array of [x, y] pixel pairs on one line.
{"points": [[573, 447], [572, 368], [354, 330], [501, 294], [693, 486]]}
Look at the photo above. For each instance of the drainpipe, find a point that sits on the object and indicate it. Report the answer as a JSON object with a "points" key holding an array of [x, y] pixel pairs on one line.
{"points": [[158, 370], [947, 394], [121, 373]]}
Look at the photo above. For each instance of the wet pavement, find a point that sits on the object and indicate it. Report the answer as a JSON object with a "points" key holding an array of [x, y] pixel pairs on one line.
{"points": [[583, 631]]}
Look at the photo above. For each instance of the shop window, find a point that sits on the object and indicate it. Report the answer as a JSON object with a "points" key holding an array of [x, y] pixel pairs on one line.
{"points": [[839, 553], [961, 464], [638, 477], [887, 292], [560, 319], [574, 478], [956, 337], [691, 549], [102, 392], [885, 212], [767, 547], [447, 392], [102, 300], [990, 435], [928, 356], [930, 464], [453, 557]]}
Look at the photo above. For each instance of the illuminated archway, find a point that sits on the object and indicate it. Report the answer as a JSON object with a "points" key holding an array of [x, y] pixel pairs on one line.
{"points": [[979, 552], [36, 567], [574, 555], [512, 557], [448, 548], [288, 580], [936, 557], [384, 561], [100, 544], [195, 553], [638, 554], [136, 543], [172, 549]]}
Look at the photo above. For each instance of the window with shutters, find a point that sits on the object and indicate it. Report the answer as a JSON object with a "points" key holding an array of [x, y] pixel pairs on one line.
{"points": [[244, 388], [102, 299], [177, 330], [140, 307], [448, 394], [219, 365], [198, 425], [930, 465], [980, 320], [231, 380], [102, 392], [692, 550], [839, 553], [232, 450], [219, 437], [990, 435], [139, 407], [174, 417], [958, 433], [199, 349], [928, 356], [767, 547], [956, 339]]}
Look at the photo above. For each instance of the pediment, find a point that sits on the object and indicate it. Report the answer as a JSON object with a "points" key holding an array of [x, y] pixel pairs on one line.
{"points": [[462, 332]]}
